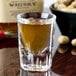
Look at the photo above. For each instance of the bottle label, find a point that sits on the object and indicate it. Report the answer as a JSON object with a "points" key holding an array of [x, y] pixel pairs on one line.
{"points": [[9, 9]]}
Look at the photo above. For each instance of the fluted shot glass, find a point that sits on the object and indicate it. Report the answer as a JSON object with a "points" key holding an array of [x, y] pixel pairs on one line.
{"points": [[35, 38]]}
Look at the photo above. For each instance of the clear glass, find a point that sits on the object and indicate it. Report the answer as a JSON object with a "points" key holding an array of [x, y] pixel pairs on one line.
{"points": [[35, 31]]}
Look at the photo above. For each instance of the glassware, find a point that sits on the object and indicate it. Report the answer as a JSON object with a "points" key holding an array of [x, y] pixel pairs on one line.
{"points": [[35, 34]]}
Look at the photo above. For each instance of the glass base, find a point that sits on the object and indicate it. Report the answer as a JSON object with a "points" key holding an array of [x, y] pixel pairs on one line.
{"points": [[35, 68], [37, 63], [26, 73]]}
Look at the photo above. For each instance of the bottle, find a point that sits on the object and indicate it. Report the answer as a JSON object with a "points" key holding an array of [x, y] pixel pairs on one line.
{"points": [[9, 9]]}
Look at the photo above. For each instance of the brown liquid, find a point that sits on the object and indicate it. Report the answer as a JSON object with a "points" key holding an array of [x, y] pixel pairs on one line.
{"points": [[36, 37]]}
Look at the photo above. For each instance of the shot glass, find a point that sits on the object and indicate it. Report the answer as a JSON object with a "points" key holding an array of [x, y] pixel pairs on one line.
{"points": [[35, 38]]}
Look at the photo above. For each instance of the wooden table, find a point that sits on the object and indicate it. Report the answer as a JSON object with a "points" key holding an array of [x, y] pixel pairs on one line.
{"points": [[63, 64]]}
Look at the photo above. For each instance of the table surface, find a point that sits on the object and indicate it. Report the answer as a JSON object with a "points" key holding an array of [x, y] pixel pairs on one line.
{"points": [[63, 64]]}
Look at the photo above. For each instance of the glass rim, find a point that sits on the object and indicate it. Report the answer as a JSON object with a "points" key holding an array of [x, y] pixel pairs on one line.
{"points": [[25, 20]]}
